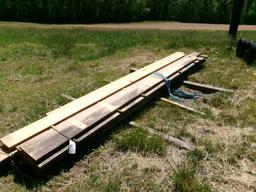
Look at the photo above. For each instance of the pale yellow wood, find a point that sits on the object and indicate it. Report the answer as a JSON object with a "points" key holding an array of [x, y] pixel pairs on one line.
{"points": [[182, 106], [19, 136], [3, 156]]}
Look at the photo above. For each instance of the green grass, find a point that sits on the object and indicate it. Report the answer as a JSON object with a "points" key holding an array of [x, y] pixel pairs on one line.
{"points": [[139, 140], [195, 157], [38, 64], [246, 148], [1, 108], [185, 181]]}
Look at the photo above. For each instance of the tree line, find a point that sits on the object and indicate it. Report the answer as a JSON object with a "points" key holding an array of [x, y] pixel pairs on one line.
{"points": [[94, 11]]}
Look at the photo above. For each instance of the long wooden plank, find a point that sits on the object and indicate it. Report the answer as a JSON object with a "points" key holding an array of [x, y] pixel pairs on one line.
{"points": [[3, 156], [87, 118], [19, 136], [111, 104], [205, 88], [110, 121], [117, 117], [145, 83], [64, 151], [98, 112], [182, 106], [166, 137], [139, 102], [35, 147]]}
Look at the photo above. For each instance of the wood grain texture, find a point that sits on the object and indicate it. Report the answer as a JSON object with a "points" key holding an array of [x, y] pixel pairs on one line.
{"points": [[205, 88], [108, 121], [182, 106], [39, 146], [93, 116], [19, 136]]}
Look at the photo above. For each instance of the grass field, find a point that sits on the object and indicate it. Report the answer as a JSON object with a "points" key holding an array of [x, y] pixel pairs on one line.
{"points": [[38, 64]]}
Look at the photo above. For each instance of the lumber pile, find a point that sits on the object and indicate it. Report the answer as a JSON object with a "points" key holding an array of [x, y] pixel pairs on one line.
{"points": [[45, 141]]}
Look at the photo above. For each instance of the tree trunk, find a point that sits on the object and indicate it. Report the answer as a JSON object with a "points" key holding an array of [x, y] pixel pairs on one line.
{"points": [[165, 9], [235, 18]]}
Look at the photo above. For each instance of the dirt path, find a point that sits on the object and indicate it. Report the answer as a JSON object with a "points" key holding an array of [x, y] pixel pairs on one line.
{"points": [[169, 26], [139, 25]]}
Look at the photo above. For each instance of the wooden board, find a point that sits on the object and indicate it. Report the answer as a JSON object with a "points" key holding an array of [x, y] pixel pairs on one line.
{"points": [[64, 151], [205, 88], [46, 141], [110, 121], [145, 83], [86, 119], [3, 156], [93, 116], [182, 106], [19, 136], [166, 137]]}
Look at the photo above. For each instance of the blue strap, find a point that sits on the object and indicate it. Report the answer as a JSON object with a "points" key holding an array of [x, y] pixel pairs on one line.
{"points": [[178, 93], [186, 95], [168, 84]]}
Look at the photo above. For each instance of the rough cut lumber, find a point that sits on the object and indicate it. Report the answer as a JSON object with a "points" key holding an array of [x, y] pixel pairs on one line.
{"points": [[107, 124], [35, 148], [92, 116], [96, 113], [182, 106], [166, 137], [19, 136], [205, 88]]}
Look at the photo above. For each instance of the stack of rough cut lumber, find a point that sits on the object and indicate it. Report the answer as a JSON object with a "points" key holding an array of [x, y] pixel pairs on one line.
{"points": [[47, 140]]}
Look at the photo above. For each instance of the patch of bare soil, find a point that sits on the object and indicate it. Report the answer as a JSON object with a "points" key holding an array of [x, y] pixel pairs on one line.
{"points": [[170, 26]]}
